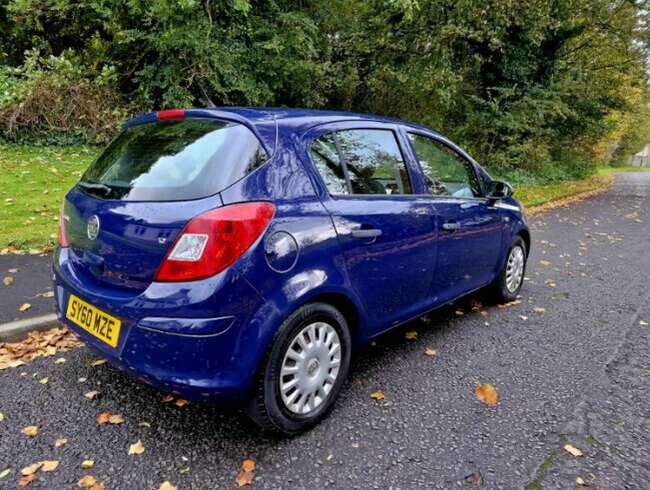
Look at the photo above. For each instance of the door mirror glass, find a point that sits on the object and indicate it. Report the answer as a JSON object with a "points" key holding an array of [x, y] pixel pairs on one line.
{"points": [[497, 189]]}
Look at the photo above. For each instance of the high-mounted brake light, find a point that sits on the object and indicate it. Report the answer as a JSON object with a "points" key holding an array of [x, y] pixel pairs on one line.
{"points": [[213, 241], [61, 236], [170, 114]]}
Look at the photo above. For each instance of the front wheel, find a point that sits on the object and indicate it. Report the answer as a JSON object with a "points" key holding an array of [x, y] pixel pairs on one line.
{"points": [[303, 371], [508, 283]]}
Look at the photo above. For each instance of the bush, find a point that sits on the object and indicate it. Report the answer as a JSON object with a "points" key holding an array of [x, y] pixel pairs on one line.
{"points": [[53, 100]]}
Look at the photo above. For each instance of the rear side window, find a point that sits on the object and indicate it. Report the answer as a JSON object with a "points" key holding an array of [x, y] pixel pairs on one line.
{"points": [[361, 161], [172, 161]]}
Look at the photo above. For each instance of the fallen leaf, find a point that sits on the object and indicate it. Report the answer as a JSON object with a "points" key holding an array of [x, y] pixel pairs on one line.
{"points": [[31, 469], [523, 317], [96, 362], [167, 486], [98, 486], [181, 403], [24, 307], [116, 419], [539, 309], [574, 451], [167, 398], [26, 480], [508, 305], [31, 431], [487, 394], [13, 271], [475, 479], [49, 466], [545, 263], [144, 423], [581, 482], [87, 464], [136, 448], [91, 395], [377, 395], [355, 445], [43, 381], [247, 473], [412, 335], [8, 280], [2, 417], [60, 442], [82, 380], [60, 360], [46, 294], [4, 473], [643, 323], [185, 470], [86, 482], [103, 418], [430, 352]]}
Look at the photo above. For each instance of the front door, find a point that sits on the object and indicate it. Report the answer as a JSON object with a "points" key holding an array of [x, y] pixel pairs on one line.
{"points": [[470, 230], [387, 234]]}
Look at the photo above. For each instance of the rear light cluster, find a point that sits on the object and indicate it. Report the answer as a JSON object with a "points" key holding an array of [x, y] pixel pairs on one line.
{"points": [[61, 236], [215, 240]]}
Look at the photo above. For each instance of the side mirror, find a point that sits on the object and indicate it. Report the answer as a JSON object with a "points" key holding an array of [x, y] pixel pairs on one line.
{"points": [[496, 190]]}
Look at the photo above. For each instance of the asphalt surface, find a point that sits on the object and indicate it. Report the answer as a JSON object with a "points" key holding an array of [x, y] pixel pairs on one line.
{"points": [[577, 373], [32, 277]]}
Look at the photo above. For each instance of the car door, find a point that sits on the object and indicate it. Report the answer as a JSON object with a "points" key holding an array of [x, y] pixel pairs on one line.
{"points": [[386, 233], [470, 229]]}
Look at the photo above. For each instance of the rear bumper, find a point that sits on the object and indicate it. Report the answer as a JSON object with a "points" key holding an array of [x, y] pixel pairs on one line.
{"points": [[193, 339]]}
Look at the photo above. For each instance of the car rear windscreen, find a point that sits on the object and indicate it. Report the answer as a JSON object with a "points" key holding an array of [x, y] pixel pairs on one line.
{"points": [[174, 161]]}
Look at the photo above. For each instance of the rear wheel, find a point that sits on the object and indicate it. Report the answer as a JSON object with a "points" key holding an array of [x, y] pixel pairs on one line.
{"points": [[508, 283], [303, 371]]}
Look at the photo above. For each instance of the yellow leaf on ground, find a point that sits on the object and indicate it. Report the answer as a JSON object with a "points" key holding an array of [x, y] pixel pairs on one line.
{"points": [[86, 482], [96, 362], [43, 381], [181, 403], [116, 419], [31, 431], [91, 395], [539, 309], [247, 473], [60, 442], [487, 394], [545, 263], [167, 486], [643, 323], [8, 280], [377, 395], [31, 469], [574, 451], [87, 464], [136, 448], [167, 398], [26, 480], [430, 352], [412, 335], [581, 482], [60, 360], [5, 472], [24, 307], [2, 417], [49, 466], [98, 486]]}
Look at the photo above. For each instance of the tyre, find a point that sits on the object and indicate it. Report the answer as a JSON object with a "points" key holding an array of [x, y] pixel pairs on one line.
{"points": [[303, 370], [508, 283]]}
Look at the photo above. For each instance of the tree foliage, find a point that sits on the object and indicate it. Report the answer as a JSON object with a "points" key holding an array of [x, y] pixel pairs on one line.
{"points": [[544, 86]]}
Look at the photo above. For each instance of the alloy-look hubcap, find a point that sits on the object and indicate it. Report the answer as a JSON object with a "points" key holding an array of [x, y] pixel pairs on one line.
{"points": [[310, 368], [515, 268]]}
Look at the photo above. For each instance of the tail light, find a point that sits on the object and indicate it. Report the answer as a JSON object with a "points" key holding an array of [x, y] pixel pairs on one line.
{"points": [[61, 236], [215, 240]]}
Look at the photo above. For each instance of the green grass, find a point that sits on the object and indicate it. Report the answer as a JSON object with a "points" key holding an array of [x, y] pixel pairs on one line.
{"points": [[536, 195], [624, 168], [33, 181]]}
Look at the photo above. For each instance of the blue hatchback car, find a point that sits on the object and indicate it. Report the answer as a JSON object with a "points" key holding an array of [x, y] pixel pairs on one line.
{"points": [[239, 254]]}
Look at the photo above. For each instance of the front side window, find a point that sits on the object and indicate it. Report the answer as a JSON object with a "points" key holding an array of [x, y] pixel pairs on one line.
{"points": [[446, 172], [361, 161]]}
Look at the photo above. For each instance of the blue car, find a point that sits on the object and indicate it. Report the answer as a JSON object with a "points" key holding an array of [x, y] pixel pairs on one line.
{"points": [[239, 254]]}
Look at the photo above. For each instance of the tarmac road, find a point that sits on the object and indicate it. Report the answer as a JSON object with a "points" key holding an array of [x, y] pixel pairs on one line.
{"points": [[578, 373]]}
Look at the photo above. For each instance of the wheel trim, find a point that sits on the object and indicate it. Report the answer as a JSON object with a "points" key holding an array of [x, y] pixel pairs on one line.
{"points": [[515, 268], [310, 368]]}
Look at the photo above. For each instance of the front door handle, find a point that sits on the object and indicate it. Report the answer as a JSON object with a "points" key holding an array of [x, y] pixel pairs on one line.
{"points": [[366, 233], [450, 226]]}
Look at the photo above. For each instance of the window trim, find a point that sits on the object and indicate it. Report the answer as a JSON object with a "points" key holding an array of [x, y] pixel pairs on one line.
{"points": [[456, 151], [370, 125]]}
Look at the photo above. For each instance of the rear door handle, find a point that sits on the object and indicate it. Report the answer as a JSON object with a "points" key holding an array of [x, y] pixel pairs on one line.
{"points": [[450, 226], [365, 233]]}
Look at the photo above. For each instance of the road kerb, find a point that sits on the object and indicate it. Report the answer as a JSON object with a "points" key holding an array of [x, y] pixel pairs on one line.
{"points": [[18, 330]]}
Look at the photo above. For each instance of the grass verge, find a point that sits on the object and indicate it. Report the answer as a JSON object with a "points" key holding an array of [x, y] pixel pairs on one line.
{"points": [[33, 181]]}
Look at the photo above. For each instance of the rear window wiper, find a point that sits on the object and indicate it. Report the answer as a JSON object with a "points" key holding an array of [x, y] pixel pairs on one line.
{"points": [[92, 186]]}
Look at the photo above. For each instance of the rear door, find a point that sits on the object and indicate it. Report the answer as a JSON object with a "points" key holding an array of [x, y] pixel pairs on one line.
{"points": [[469, 229], [387, 234], [131, 203]]}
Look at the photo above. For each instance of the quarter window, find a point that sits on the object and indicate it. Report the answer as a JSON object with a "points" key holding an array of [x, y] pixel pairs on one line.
{"points": [[361, 161], [447, 173]]}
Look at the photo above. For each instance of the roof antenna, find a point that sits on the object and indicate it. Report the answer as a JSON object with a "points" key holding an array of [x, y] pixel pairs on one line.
{"points": [[208, 101]]}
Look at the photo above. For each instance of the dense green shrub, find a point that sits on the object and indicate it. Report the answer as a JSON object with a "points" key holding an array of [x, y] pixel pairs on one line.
{"points": [[548, 88]]}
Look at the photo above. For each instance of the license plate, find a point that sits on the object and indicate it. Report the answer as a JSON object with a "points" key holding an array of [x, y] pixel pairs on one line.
{"points": [[94, 321]]}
